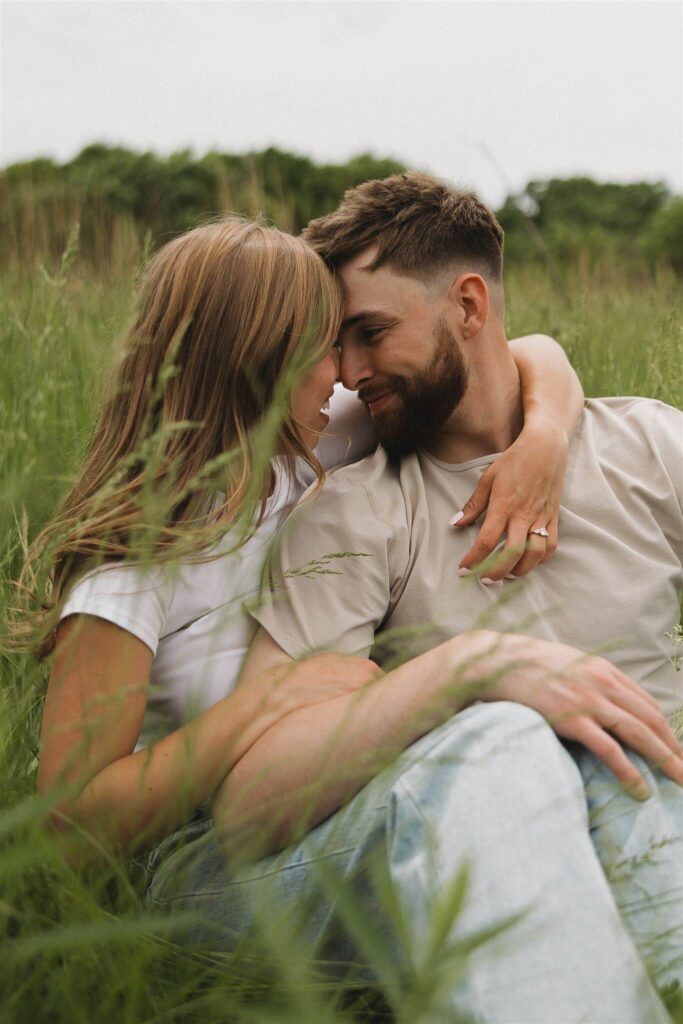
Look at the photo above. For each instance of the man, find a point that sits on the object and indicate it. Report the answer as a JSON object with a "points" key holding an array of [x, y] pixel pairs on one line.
{"points": [[423, 342]]}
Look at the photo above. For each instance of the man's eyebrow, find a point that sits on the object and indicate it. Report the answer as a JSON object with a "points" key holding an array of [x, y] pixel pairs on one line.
{"points": [[365, 314]]}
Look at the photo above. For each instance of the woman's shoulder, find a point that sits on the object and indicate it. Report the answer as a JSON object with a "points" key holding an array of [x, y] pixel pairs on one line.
{"points": [[135, 597], [152, 601]]}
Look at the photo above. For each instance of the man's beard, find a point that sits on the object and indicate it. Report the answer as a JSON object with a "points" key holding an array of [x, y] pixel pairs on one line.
{"points": [[421, 405]]}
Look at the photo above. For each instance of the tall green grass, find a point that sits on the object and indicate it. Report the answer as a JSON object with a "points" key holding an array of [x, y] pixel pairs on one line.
{"points": [[79, 947]]}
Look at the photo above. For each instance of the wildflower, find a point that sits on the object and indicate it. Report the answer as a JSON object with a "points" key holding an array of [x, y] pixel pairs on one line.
{"points": [[676, 637]]}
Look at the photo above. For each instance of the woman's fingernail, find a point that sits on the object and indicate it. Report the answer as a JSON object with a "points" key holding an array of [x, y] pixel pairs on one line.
{"points": [[463, 572], [510, 576], [487, 581], [456, 518]]}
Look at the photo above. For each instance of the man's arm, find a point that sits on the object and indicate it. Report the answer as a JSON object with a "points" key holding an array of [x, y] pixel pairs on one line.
{"points": [[302, 773], [311, 762]]}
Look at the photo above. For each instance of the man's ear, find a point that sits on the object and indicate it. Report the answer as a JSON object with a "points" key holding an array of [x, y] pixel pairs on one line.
{"points": [[471, 295]]}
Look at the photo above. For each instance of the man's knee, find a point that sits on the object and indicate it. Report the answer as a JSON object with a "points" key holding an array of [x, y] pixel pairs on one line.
{"points": [[506, 719], [484, 728], [502, 749]]}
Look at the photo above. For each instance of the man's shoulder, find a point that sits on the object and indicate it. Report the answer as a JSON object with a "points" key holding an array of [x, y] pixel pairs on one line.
{"points": [[374, 476], [634, 434], [634, 415], [630, 405], [372, 469], [374, 489]]}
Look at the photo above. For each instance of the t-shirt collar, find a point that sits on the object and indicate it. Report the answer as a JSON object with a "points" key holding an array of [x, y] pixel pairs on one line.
{"points": [[459, 467]]}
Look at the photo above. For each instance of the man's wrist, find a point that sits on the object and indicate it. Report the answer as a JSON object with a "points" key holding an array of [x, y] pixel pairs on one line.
{"points": [[482, 661], [494, 673]]}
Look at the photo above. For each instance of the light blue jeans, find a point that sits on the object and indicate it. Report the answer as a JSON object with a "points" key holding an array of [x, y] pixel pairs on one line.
{"points": [[588, 881]]}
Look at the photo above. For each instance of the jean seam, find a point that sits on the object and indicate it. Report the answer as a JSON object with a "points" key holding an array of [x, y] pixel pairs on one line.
{"points": [[234, 884]]}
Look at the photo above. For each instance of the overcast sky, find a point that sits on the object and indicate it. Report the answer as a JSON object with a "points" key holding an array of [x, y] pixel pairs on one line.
{"points": [[488, 94]]}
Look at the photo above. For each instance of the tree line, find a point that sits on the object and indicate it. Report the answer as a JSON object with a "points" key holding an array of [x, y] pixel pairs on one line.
{"points": [[122, 199]]}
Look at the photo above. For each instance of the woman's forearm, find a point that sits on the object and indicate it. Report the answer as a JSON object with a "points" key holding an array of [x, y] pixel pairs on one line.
{"points": [[139, 797], [143, 796], [147, 794], [551, 390]]}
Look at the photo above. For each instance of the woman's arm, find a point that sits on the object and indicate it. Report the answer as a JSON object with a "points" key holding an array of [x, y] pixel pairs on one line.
{"points": [[551, 389], [93, 713], [522, 488]]}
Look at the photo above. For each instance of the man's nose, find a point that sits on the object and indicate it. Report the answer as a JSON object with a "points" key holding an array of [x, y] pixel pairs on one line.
{"points": [[353, 367]]}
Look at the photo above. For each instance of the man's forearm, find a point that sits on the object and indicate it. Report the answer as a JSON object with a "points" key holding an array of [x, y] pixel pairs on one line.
{"points": [[306, 766]]}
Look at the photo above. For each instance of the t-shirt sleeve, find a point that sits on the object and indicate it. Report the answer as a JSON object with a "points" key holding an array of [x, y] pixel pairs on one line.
{"points": [[327, 583], [669, 452], [137, 600]]}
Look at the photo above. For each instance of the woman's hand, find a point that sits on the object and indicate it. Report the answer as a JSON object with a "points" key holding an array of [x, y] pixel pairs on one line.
{"points": [[521, 491], [590, 701]]}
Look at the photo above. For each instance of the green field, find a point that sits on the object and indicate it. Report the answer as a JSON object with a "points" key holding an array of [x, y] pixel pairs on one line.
{"points": [[79, 948]]}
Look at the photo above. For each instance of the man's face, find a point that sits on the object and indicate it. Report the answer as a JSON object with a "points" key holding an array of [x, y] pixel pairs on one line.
{"points": [[399, 352]]}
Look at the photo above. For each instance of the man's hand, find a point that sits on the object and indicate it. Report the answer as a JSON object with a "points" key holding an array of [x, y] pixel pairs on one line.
{"points": [[587, 699], [311, 761]]}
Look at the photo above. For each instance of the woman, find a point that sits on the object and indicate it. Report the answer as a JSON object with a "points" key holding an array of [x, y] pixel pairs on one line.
{"points": [[214, 409]]}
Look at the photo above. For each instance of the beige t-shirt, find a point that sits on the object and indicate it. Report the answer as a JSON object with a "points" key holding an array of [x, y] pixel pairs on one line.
{"points": [[612, 587]]}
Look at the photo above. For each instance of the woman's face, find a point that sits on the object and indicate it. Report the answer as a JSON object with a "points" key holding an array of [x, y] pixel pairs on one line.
{"points": [[313, 392]]}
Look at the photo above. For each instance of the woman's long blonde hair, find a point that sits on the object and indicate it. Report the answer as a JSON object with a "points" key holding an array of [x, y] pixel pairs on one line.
{"points": [[232, 315]]}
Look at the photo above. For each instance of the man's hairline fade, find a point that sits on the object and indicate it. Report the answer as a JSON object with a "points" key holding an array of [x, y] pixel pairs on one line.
{"points": [[386, 214], [435, 277]]}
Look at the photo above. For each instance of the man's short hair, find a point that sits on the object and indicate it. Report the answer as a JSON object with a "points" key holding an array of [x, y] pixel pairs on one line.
{"points": [[418, 223]]}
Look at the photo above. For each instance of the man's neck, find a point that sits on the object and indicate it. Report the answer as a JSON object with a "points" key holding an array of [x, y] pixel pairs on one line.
{"points": [[490, 415]]}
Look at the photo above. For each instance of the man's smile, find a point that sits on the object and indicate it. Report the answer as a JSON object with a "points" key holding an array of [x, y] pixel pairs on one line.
{"points": [[378, 403], [375, 400]]}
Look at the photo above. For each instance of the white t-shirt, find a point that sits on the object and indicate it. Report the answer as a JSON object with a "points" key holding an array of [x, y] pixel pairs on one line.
{"points": [[191, 615]]}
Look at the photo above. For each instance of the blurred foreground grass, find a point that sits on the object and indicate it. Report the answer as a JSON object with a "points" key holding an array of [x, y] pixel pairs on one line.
{"points": [[79, 948]]}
